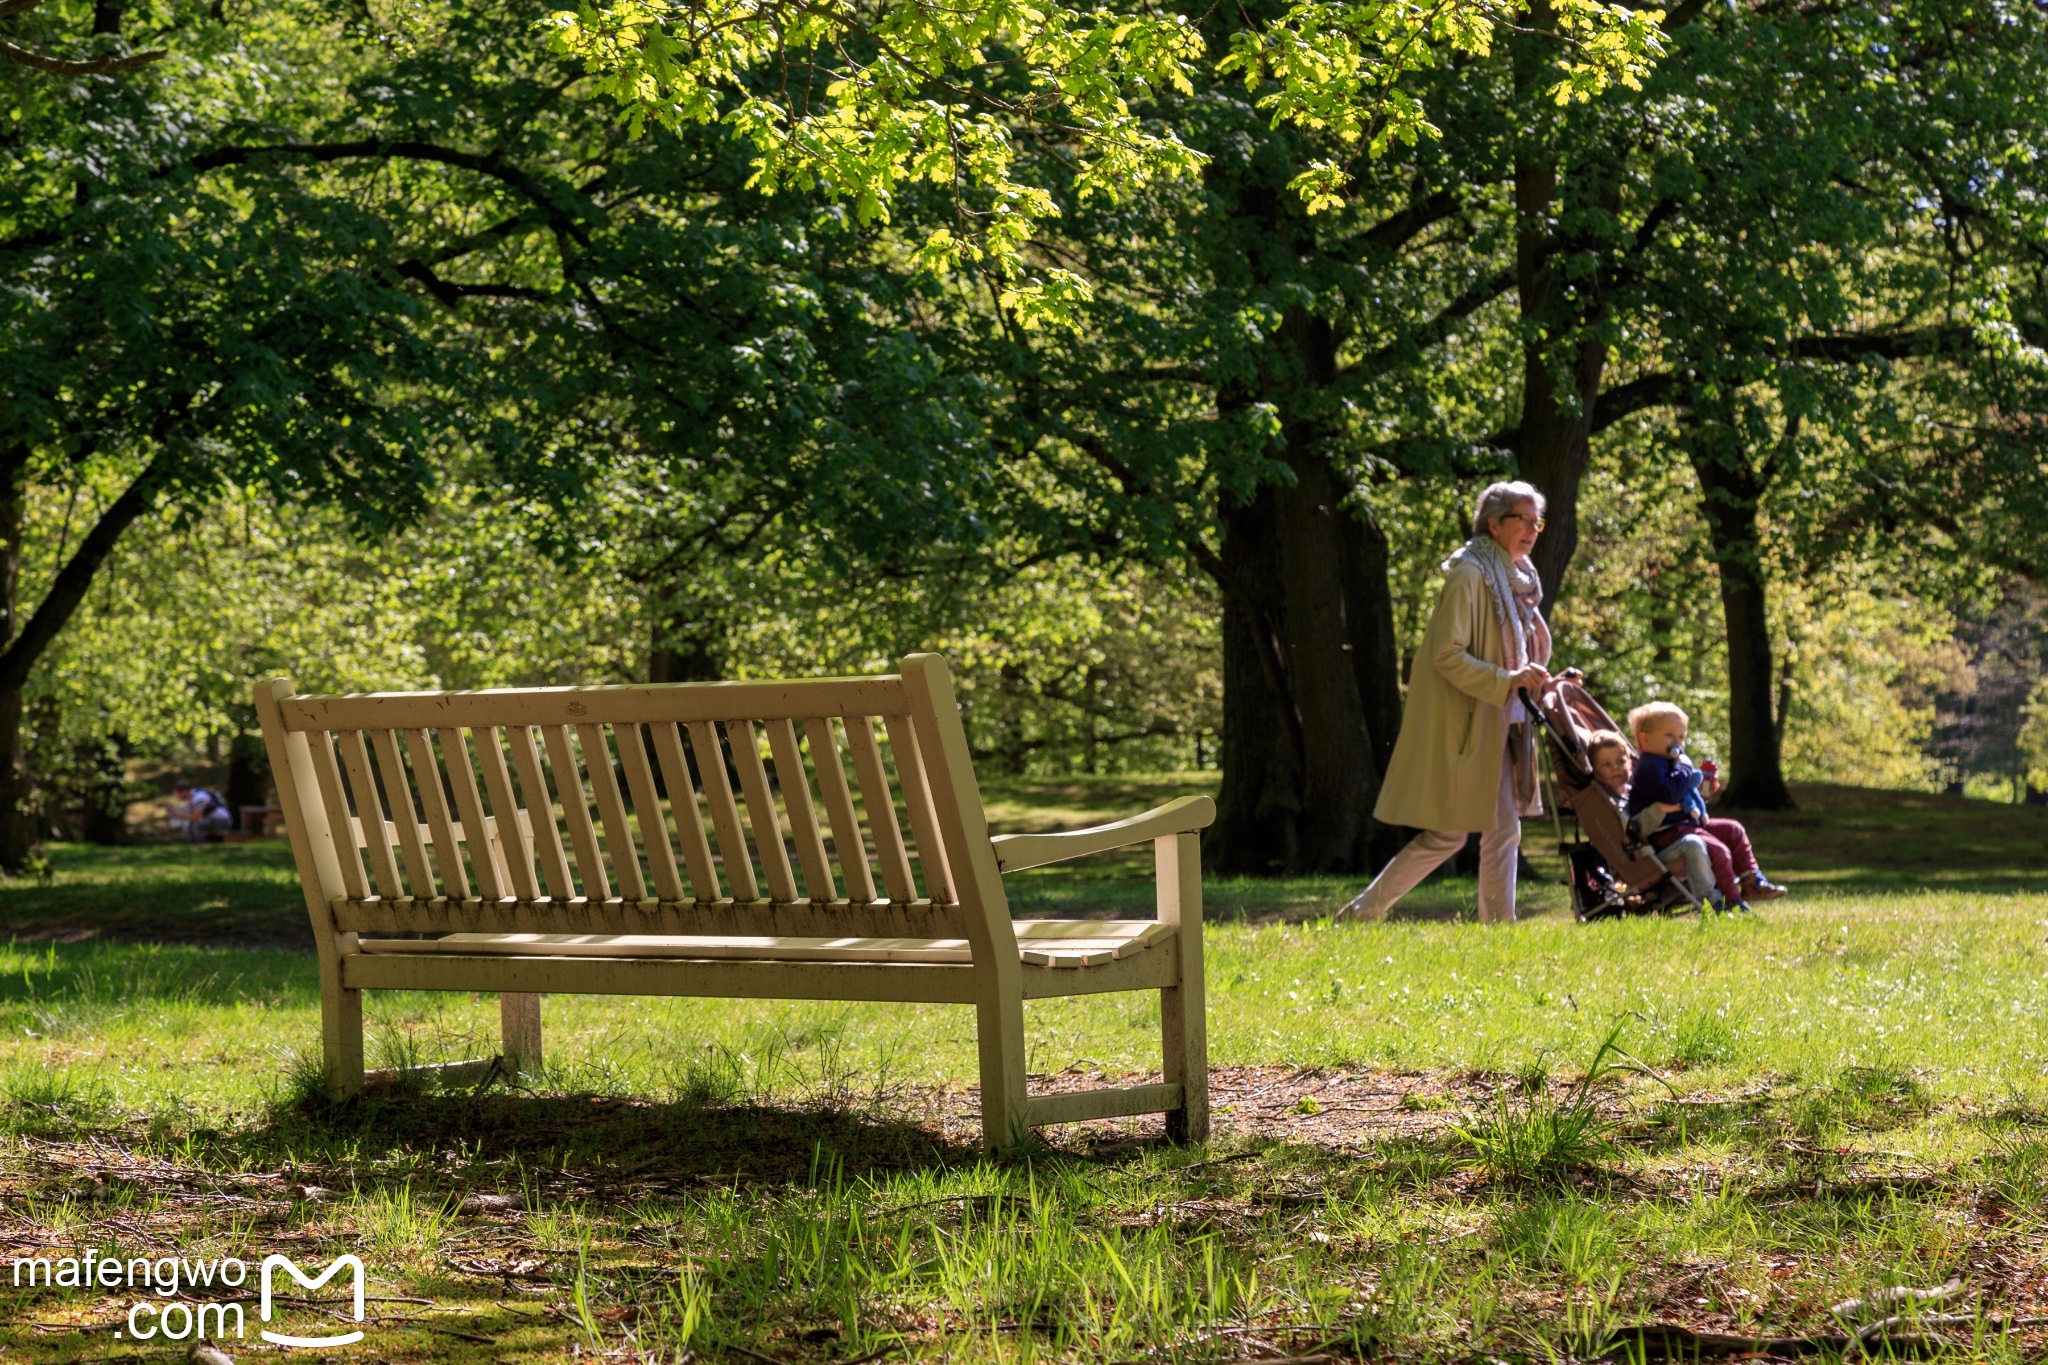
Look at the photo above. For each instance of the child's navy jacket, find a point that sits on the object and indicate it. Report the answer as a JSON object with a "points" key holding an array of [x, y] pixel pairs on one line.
{"points": [[1674, 781]]}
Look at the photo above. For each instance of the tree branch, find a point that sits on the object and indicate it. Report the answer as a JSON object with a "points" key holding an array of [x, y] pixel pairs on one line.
{"points": [[562, 214], [69, 587], [58, 66], [1391, 234], [449, 292], [1884, 345], [1432, 332]]}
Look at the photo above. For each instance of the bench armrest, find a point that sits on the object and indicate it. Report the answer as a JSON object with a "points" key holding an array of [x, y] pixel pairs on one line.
{"points": [[1015, 852]]}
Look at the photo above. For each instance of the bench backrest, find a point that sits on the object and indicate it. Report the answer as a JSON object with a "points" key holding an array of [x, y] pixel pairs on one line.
{"points": [[531, 808]]}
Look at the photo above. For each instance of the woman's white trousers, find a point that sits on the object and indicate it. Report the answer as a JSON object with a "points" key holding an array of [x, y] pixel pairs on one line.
{"points": [[1428, 851]]}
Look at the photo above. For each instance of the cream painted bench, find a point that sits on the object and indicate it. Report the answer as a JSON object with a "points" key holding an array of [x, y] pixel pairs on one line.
{"points": [[663, 894]]}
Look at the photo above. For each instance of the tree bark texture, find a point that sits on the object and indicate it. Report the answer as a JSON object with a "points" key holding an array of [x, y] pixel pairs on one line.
{"points": [[17, 833], [1311, 701], [1562, 366], [1731, 490]]}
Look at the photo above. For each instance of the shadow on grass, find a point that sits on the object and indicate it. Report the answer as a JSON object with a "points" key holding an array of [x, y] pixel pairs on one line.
{"points": [[602, 1145]]}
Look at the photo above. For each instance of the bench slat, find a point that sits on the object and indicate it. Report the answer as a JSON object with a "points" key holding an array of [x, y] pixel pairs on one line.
{"points": [[611, 808], [419, 875], [929, 983], [774, 854], [547, 835], [803, 816], [725, 813], [1064, 945], [794, 919], [434, 798], [513, 837], [482, 849], [355, 757], [576, 812], [847, 840], [682, 799], [626, 704], [917, 795], [880, 804], [327, 774], [661, 858]]}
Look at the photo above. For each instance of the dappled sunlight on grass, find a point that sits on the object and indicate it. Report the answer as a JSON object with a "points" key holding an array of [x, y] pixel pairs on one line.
{"points": [[1850, 1093]]}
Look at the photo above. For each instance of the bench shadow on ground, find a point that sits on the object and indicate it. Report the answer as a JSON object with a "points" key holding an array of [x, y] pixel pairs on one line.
{"points": [[619, 1145], [596, 1145]]}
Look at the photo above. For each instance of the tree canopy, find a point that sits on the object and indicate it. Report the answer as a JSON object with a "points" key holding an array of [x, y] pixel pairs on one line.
{"points": [[674, 340]]}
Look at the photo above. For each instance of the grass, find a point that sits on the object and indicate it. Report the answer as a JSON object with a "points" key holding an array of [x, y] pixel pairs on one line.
{"points": [[1422, 1149]]}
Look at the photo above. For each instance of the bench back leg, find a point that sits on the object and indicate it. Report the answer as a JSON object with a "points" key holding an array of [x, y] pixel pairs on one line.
{"points": [[320, 876], [1183, 1009], [519, 1015]]}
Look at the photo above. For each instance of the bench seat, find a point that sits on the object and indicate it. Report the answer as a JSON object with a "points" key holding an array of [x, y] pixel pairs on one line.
{"points": [[1040, 943]]}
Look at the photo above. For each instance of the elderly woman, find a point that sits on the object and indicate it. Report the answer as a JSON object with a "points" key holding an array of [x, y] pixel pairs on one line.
{"points": [[1466, 756]]}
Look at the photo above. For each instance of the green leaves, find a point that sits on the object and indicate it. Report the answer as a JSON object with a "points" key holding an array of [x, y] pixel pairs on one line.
{"points": [[861, 102], [1338, 65]]}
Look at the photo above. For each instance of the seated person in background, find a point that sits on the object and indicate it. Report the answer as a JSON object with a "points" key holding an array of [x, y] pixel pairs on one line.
{"points": [[202, 811], [1686, 855], [1667, 801]]}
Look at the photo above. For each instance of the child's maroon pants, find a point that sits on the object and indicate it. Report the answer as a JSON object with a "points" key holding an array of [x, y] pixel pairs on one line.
{"points": [[1728, 850]]}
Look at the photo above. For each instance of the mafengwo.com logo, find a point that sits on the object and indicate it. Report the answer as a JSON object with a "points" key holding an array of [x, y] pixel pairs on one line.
{"points": [[167, 1315]]}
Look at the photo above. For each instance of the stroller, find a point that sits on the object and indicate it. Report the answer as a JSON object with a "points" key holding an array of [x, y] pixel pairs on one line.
{"points": [[1612, 873]]}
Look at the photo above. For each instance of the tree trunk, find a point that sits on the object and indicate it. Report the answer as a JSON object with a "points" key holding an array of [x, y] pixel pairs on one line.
{"points": [[1731, 491], [1310, 705], [684, 647], [17, 824], [1557, 422], [1259, 799], [1561, 373], [1375, 659]]}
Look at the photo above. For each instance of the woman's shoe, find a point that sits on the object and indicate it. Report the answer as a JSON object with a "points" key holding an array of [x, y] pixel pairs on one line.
{"points": [[1757, 887]]}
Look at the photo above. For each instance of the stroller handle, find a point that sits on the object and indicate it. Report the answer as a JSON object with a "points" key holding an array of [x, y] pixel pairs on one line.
{"points": [[1536, 712]]}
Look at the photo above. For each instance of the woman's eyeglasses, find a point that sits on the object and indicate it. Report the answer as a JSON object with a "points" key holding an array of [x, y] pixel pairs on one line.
{"points": [[1535, 523]]}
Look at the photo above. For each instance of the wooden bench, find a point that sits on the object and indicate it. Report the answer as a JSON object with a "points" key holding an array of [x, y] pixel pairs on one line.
{"points": [[663, 894]]}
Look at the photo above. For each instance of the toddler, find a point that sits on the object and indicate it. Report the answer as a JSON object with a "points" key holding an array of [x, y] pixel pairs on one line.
{"points": [[1666, 803], [1612, 765]]}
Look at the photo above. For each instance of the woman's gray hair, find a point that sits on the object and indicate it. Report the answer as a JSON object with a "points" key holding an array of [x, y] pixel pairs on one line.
{"points": [[1499, 500]]}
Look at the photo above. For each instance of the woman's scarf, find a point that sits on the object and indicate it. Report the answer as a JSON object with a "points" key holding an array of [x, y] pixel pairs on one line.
{"points": [[1517, 591]]}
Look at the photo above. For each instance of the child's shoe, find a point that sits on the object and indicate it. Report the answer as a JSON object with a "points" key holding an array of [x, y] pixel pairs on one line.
{"points": [[1757, 887]]}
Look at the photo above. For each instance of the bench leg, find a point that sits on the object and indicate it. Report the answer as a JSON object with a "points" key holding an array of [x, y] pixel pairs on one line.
{"points": [[341, 1041], [1183, 1009], [999, 1029], [519, 1014]]}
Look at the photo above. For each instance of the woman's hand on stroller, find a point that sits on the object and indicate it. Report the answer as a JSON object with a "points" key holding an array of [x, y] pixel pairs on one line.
{"points": [[1530, 677]]}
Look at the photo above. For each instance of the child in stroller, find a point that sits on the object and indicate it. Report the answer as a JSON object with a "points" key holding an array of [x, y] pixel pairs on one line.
{"points": [[1613, 873], [1686, 856], [1667, 804]]}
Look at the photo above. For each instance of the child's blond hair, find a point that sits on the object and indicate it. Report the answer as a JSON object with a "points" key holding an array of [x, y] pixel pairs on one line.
{"points": [[1604, 739], [1655, 710]]}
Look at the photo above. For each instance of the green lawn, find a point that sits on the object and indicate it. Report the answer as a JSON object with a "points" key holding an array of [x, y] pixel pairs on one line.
{"points": [[1849, 1093]]}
